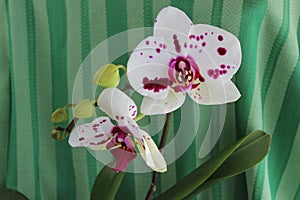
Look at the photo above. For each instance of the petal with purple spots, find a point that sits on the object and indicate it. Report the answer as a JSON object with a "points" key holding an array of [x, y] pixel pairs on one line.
{"points": [[212, 93], [115, 104], [221, 49], [173, 26], [147, 68], [94, 135], [129, 126]]}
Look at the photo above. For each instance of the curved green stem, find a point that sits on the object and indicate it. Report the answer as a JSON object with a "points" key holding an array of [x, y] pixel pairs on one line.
{"points": [[123, 68], [69, 105]]}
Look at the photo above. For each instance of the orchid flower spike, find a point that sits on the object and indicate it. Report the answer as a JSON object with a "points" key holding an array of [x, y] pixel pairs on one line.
{"points": [[182, 57], [120, 139]]}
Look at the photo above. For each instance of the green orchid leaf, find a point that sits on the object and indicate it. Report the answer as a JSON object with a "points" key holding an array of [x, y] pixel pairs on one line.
{"points": [[106, 184], [59, 115], [107, 76], [233, 160], [84, 109]]}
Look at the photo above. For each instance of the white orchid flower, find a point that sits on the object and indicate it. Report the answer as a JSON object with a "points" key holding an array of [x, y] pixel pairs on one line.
{"points": [[182, 57], [101, 134]]}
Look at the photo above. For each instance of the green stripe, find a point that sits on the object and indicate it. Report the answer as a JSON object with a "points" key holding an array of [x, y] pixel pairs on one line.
{"points": [[97, 17], [85, 29], [279, 154], [290, 176], [74, 60], [47, 168], [148, 13], [98, 33], [287, 60], [259, 181], [231, 22], [12, 170], [31, 48], [217, 13], [135, 18], [276, 49], [277, 93], [286, 190], [266, 39], [202, 12], [87, 74], [5, 98], [249, 31], [25, 167], [116, 15], [56, 10]]}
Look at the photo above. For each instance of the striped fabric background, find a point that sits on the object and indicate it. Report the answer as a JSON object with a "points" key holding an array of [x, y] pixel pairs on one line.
{"points": [[43, 42]]}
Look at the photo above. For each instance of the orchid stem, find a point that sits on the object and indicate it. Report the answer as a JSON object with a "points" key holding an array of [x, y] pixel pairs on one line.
{"points": [[162, 143], [123, 68], [69, 106], [67, 131], [71, 125]]}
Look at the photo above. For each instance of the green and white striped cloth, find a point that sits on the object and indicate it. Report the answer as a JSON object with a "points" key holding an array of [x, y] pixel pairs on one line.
{"points": [[43, 42]]}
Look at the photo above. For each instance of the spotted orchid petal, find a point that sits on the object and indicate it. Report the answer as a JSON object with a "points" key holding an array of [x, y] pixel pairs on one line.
{"points": [[147, 68], [172, 102], [116, 104], [94, 135], [150, 153], [203, 60], [129, 126], [216, 51], [214, 93], [173, 26]]}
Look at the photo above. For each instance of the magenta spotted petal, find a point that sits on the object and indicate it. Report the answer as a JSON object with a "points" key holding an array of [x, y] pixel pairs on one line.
{"points": [[184, 58], [95, 134], [101, 134], [149, 68], [116, 104]]}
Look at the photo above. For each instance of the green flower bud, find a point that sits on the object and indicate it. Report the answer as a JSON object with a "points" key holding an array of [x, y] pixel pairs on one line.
{"points": [[84, 109], [107, 76], [58, 133], [59, 115]]}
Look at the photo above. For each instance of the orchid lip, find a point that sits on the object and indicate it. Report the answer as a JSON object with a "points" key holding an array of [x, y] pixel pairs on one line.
{"points": [[184, 73]]}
